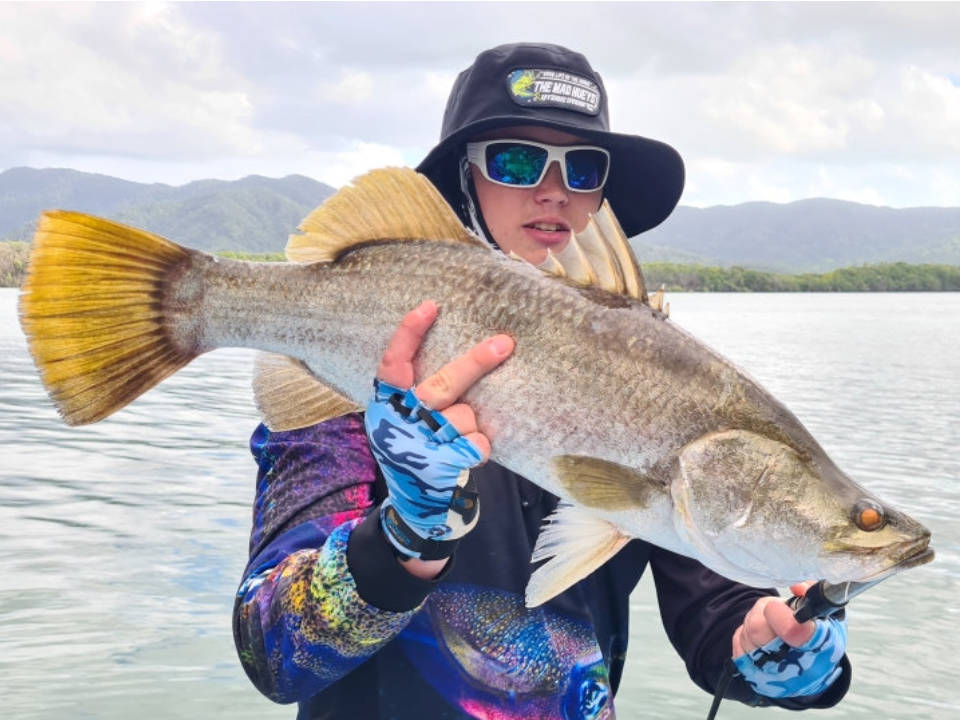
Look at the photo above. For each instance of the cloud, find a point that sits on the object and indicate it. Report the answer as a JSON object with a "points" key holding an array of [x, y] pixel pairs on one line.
{"points": [[359, 157], [124, 79], [764, 101], [354, 87]]}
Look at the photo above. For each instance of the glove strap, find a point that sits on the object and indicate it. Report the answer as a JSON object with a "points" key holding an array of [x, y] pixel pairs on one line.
{"points": [[407, 544]]}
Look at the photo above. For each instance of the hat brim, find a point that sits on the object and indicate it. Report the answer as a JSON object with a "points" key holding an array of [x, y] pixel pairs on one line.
{"points": [[644, 185]]}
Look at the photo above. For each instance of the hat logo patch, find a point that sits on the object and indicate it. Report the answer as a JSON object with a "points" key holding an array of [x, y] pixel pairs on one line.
{"points": [[533, 87]]}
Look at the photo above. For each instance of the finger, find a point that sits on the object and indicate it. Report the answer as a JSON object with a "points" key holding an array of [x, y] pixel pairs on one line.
{"points": [[483, 445], [781, 621], [738, 648], [396, 366], [756, 629], [462, 417], [800, 589], [452, 380]]}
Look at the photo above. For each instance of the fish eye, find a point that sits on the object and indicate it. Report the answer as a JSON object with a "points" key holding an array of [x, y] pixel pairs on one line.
{"points": [[868, 515]]}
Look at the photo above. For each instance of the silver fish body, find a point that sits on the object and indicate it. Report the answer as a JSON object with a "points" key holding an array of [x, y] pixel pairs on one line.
{"points": [[594, 375], [642, 429]]}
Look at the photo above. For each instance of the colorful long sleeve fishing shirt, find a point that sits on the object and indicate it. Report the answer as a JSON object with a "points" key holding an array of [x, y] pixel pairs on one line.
{"points": [[326, 616]]}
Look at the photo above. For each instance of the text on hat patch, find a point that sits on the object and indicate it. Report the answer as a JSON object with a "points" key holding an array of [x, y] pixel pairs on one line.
{"points": [[553, 88]]}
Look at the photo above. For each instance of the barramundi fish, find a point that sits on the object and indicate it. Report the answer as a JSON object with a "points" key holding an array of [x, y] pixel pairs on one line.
{"points": [[642, 430]]}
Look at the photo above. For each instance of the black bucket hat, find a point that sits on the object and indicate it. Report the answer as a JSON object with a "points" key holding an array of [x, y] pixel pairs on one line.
{"points": [[551, 86]]}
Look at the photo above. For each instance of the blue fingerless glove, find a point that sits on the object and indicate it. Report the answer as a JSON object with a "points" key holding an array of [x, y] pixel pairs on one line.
{"points": [[778, 670], [426, 463]]}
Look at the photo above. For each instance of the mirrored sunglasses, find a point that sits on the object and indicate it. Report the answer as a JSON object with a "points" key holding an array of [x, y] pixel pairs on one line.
{"points": [[523, 163]]}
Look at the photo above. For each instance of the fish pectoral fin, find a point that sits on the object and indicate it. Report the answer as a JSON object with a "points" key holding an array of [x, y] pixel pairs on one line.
{"points": [[393, 204], [289, 396], [604, 485], [575, 543], [600, 255]]}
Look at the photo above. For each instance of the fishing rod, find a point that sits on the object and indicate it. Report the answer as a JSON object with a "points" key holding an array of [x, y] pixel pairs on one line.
{"points": [[820, 601]]}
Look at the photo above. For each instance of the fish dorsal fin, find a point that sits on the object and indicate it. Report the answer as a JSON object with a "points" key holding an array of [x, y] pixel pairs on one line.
{"points": [[604, 263], [575, 543], [289, 396], [616, 238], [658, 303], [575, 263], [552, 266], [600, 255], [387, 204]]}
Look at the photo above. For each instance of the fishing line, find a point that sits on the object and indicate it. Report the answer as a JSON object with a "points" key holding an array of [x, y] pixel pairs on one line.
{"points": [[820, 601]]}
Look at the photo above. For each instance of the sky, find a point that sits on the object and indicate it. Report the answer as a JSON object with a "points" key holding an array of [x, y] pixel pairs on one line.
{"points": [[766, 101]]}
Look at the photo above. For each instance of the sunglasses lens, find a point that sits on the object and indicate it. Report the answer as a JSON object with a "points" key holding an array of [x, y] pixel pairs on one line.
{"points": [[586, 169], [515, 164]]}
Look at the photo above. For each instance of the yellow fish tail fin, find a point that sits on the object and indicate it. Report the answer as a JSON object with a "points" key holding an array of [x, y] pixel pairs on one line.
{"points": [[91, 307]]}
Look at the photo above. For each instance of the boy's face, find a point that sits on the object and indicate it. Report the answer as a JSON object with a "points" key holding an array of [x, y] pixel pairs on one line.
{"points": [[530, 221]]}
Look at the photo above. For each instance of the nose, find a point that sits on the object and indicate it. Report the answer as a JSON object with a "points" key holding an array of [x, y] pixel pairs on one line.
{"points": [[551, 188]]}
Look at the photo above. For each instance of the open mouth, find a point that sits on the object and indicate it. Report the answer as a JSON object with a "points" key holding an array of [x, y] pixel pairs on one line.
{"points": [[549, 227]]}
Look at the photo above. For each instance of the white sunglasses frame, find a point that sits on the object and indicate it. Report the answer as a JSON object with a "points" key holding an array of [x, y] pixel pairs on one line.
{"points": [[477, 154]]}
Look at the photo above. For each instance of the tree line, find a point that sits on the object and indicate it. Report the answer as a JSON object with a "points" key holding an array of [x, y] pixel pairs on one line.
{"points": [[883, 277]]}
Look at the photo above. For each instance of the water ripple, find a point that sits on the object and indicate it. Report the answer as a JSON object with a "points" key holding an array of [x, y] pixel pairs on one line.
{"points": [[121, 543]]}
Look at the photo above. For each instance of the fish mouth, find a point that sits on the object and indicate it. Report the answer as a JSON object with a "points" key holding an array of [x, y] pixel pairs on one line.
{"points": [[910, 554], [841, 593], [919, 553]]}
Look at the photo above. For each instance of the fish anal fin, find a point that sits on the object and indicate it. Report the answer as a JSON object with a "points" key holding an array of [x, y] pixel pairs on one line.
{"points": [[575, 543], [386, 204], [289, 396], [603, 485]]}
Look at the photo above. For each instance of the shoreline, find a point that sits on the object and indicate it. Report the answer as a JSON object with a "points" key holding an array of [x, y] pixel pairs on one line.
{"points": [[678, 277]]}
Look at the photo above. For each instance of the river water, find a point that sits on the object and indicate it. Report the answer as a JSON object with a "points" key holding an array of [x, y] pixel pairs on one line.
{"points": [[121, 543]]}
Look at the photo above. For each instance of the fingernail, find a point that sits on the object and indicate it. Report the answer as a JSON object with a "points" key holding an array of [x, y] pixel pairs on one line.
{"points": [[501, 346], [427, 308]]}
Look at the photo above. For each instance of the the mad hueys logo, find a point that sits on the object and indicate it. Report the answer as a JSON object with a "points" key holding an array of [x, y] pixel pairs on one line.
{"points": [[553, 88]]}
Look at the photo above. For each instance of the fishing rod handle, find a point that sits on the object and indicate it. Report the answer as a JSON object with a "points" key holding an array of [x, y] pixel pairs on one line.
{"points": [[813, 604]]}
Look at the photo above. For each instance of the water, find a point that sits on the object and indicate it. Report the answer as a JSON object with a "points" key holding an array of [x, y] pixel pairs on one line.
{"points": [[121, 543]]}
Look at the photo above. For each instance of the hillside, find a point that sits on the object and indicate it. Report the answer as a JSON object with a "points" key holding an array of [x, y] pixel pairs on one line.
{"points": [[815, 235], [254, 214]]}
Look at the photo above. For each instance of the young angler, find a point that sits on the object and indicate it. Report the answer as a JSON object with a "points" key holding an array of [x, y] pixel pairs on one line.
{"points": [[377, 589]]}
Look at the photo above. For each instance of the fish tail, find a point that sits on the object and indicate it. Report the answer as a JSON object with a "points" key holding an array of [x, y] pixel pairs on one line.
{"points": [[91, 306]]}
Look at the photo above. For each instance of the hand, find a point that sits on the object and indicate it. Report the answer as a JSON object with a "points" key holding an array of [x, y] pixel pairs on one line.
{"points": [[780, 657], [425, 442]]}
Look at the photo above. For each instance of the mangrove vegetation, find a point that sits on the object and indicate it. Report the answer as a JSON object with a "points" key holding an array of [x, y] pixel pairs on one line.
{"points": [[881, 277]]}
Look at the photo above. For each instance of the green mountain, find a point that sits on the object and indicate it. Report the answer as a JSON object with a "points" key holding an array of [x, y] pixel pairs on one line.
{"points": [[815, 235], [254, 214]]}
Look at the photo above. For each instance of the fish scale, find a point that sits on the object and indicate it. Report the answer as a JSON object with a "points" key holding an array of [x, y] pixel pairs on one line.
{"points": [[640, 428]]}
